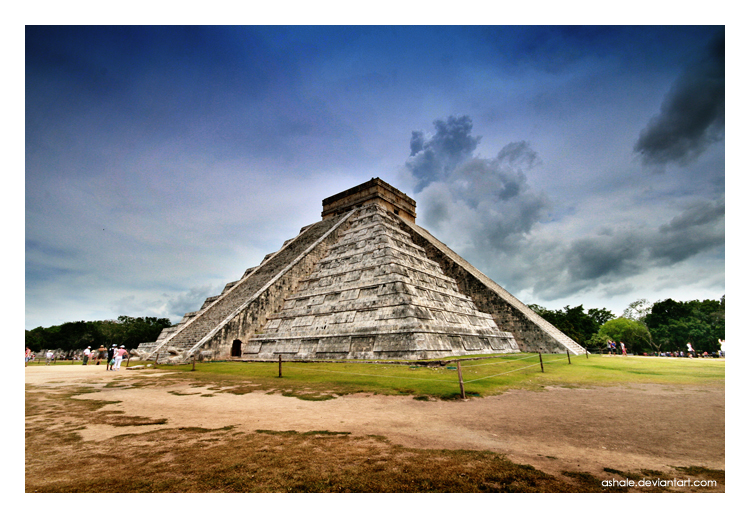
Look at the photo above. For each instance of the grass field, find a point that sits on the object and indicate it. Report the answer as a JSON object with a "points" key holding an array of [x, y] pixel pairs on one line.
{"points": [[173, 458], [482, 377]]}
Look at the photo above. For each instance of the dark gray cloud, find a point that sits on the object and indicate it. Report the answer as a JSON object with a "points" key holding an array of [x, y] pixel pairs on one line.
{"points": [[563, 268], [698, 228], [692, 113], [518, 154], [489, 198], [436, 157], [592, 258]]}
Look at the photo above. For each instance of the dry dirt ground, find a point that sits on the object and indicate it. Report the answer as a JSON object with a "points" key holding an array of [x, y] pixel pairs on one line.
{"points": [[628, 428]]}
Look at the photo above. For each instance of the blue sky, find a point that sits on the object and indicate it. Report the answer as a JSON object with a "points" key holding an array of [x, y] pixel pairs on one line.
{"points": [[573, 165]]}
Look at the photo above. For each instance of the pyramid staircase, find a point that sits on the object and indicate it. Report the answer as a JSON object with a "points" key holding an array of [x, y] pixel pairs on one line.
{"points": [[179, 342]]}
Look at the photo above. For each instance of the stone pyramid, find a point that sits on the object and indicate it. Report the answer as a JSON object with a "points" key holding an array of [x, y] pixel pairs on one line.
{"points": [[366, 282]]}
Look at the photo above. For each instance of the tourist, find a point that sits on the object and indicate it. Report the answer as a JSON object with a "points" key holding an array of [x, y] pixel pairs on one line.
{"points": [[118, 357], [111, 356], [624, 351], [28, 355], [86, 355], [690, 350], [100, 353], [50, 355]]}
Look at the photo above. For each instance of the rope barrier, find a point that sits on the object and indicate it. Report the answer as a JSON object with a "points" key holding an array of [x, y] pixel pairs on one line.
{"points": [[424, 379], [374, 375], [508, 372], [507, 361], [502, 373]]}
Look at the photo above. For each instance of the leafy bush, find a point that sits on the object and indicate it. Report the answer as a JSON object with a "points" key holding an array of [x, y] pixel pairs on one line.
{"points": [[633, 334]]}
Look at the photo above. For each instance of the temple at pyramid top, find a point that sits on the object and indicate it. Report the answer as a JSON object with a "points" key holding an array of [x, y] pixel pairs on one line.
{"points": [[365, 282], [375, 191]]}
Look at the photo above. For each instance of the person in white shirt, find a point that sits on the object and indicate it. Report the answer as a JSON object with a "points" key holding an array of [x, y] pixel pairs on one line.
{"points": [[119, 353]]}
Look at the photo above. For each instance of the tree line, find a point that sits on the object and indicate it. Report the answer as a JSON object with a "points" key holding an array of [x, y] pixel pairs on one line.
{"points": [[666, 326], [76, 336]]}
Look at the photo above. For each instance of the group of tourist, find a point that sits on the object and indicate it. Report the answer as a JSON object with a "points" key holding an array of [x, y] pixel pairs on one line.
{"points": [[681, 354], [612, 348], [690, 353], [114, 356]]}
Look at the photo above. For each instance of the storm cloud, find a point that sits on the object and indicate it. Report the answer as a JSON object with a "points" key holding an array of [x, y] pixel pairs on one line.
{"points": [[489, 198], [556, 267], [487, 210], [692, 113], [436, 157]]}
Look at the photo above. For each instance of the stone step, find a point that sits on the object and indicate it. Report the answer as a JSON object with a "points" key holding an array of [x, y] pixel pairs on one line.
{"points": [[238, 292]]}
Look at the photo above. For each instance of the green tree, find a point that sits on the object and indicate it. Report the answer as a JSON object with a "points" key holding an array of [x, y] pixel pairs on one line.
{"points": [[600, 315], [75, 336], [637, 310], [140, 329], [635, 335], [673, 324], [578, 324]]}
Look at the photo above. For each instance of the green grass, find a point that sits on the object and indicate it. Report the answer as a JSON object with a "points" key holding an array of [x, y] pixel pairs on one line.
{"points": [[484, 377]]}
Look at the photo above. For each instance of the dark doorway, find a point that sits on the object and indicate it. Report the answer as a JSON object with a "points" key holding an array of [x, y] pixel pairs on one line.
{"points": [[236, 348]]}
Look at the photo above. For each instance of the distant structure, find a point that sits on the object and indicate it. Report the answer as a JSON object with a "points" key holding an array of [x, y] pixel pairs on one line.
{"points": [[365, 282]]}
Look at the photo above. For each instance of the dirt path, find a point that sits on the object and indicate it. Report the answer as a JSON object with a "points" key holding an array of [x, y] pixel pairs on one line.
{"points": [[629, 428]]}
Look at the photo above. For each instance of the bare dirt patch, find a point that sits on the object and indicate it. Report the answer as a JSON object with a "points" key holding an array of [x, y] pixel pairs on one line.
{"points": [[560, 431]]}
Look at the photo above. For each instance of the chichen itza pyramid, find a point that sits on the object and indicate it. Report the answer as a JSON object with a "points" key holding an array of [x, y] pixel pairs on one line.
{"points": [[365, 282]]}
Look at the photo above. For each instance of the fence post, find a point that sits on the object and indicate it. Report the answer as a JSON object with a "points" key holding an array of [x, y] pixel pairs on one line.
{"points": [[279, 366], [193, 362], [128, 362], [567, 351], [460, 379], [156, 362], [541, 364], [587, 353]]}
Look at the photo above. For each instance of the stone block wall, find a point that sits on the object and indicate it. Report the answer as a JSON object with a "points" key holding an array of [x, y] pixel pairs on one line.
{"points": [[531, 331], [377, 296]]}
